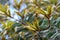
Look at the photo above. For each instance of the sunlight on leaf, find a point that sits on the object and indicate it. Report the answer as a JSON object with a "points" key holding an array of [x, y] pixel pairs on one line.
{"points": [[18, 13], [7, 25], [49, 10]]}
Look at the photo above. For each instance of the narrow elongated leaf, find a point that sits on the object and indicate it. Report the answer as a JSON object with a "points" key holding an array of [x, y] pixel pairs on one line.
{"points": [[4, 24], [15, 1], [18, 13], [18, 5], [1, 8], [53, 1], [31, 25], [30, 28], [25, 11], [8, 13], [7, 25], [49, 10], [5, 10], [37, 10], [58, 9], [41, 11]]}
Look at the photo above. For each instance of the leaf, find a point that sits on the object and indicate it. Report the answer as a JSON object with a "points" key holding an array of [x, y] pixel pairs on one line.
{"points": [[3, 8], [31, 25], [30, 28], [7, 25], [53, 1], [17, 24], [4, 24], [50, 34], [41, 11], [37, 10], [49, 10], [21, 30], [44, 24], [15, 1], [30, 17], [58, 9], [8, 13], [18, 13], [25, 12], [18, 5], [28, 36], [57, 24], [36, 23], [57, 37], [31, 8]]}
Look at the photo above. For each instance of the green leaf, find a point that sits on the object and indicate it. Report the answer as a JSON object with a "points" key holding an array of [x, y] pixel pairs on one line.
{"points": [[21, 30], [50, 33], [49, 10], [57, 24], [30, 17], [7, 25], [58, 9], [3, 8], [25, 12], [28, 35], [18, 13], [18, 4], [54, 1], [8, 13]]}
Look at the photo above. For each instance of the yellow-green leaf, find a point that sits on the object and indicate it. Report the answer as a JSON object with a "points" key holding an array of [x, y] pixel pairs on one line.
{"points": [[18, 13], [8, 13], [49, 10], [24, 12], [53, 1], [3, 8], [18, 4], [41, 11], [7, 24], [31, 25]]}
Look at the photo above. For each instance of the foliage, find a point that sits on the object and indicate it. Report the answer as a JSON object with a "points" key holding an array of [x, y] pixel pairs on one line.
{"points": [[40, 20]]}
